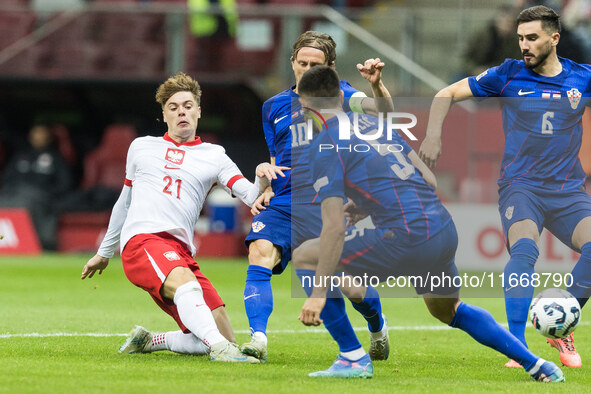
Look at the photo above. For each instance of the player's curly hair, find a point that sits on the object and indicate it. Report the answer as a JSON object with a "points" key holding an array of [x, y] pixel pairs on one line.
{"points": [[180, 82], [320, 41], [549, 18]]}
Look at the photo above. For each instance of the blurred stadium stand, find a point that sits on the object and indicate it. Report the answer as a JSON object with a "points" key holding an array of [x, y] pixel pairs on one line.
{"points": [[97, 64], [104, 170]]}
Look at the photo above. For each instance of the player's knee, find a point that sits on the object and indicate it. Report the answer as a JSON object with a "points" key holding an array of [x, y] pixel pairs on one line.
{"points": [[442, 309], [354, 293], [177, 278], [443, 316], [190, 287], [264, 254], [523, 229], [305, 256]]}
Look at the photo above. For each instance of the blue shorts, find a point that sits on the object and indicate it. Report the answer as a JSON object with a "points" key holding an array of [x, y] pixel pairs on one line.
{"points": [[286, 227], [379, 252], [557, 211]]}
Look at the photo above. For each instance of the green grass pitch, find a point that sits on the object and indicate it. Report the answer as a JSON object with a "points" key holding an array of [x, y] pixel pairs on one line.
{"points": [[59, 334]]}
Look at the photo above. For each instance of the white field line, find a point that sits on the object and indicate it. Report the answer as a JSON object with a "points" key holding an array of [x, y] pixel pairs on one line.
{"points": [[439, 327]]}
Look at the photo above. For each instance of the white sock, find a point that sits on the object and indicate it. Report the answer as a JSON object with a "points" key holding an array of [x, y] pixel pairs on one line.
{"points": [[195, 314], [179, 342], [260, 336], [158, 342], [354, 355], [379, 334]]}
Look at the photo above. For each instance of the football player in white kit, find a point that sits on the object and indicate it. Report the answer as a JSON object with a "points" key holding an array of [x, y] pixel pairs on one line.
{"points": [[167, 181]]}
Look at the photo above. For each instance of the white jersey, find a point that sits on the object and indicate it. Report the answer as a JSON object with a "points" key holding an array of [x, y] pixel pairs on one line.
{"points": [[169, 183]]}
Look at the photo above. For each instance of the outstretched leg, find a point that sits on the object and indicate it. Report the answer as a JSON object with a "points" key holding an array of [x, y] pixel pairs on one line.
{"points": [[480, 325]]}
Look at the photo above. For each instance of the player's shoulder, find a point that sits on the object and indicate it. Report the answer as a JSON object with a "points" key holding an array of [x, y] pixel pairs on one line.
{"points": [[345, 83], [348, 88], [281, 103], [576, 67], [509, 67], [212, 148], [285, 95], [144, 140]]}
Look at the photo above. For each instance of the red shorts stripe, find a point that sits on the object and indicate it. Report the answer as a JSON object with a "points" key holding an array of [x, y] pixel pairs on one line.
{"points": [[127, 182], [149, 258]]}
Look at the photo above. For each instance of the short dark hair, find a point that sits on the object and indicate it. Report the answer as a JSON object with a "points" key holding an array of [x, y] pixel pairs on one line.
{"points": [[550, 19], [321, 41], [320, 81]]}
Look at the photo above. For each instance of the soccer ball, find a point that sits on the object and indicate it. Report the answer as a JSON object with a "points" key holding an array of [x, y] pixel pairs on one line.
{"points": [[555, 313]]}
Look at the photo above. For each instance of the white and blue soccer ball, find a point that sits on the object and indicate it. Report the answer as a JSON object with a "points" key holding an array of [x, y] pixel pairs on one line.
{"points": [[555, 313]]}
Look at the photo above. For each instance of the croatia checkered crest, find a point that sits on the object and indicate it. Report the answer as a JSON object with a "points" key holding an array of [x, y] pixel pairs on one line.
{"points": [[574, 96], [555, 313]]}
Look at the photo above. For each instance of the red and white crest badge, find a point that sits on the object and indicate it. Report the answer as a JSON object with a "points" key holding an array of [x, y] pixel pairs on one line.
{"points": [[257, 226], [574, 96], [175, 156]]}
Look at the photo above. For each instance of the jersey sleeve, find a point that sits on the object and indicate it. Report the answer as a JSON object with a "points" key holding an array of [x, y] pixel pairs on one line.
{"points": [[130, 165], [268, 127], [327, 169], [120, 209], [490, 82], [353, 97], [228, 173]]}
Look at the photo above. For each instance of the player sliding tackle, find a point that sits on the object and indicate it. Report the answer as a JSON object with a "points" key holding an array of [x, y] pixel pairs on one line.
{"points": [[414, 234], [167, 180], [542, 182]]}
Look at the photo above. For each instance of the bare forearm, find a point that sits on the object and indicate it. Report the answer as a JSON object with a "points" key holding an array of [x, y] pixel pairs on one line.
{"points": [[331, 241], [439, 110], [382, 97]]}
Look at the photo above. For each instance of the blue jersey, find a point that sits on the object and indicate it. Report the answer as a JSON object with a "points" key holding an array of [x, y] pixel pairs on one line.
{"points": [[541, 121], [380, 178], [285, 129]]}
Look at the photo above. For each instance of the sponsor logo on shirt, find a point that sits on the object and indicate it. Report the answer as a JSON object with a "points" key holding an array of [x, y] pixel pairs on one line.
{"points": [[509, 212], [257, 226], [171, 255], [175, 156]]}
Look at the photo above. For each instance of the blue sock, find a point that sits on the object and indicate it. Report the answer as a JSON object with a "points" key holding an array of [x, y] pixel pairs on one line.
{"points": [[481, 326], [258, 297], [333, 315], [371, 309], [581, 287], [524, 254]]}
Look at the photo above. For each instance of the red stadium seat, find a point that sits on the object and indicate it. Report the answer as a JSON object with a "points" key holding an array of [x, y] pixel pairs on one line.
{"points": [[105, 165]]}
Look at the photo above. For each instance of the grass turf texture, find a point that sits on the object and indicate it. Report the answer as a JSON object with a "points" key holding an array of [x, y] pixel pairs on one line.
{"points": [[44, 295]]}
